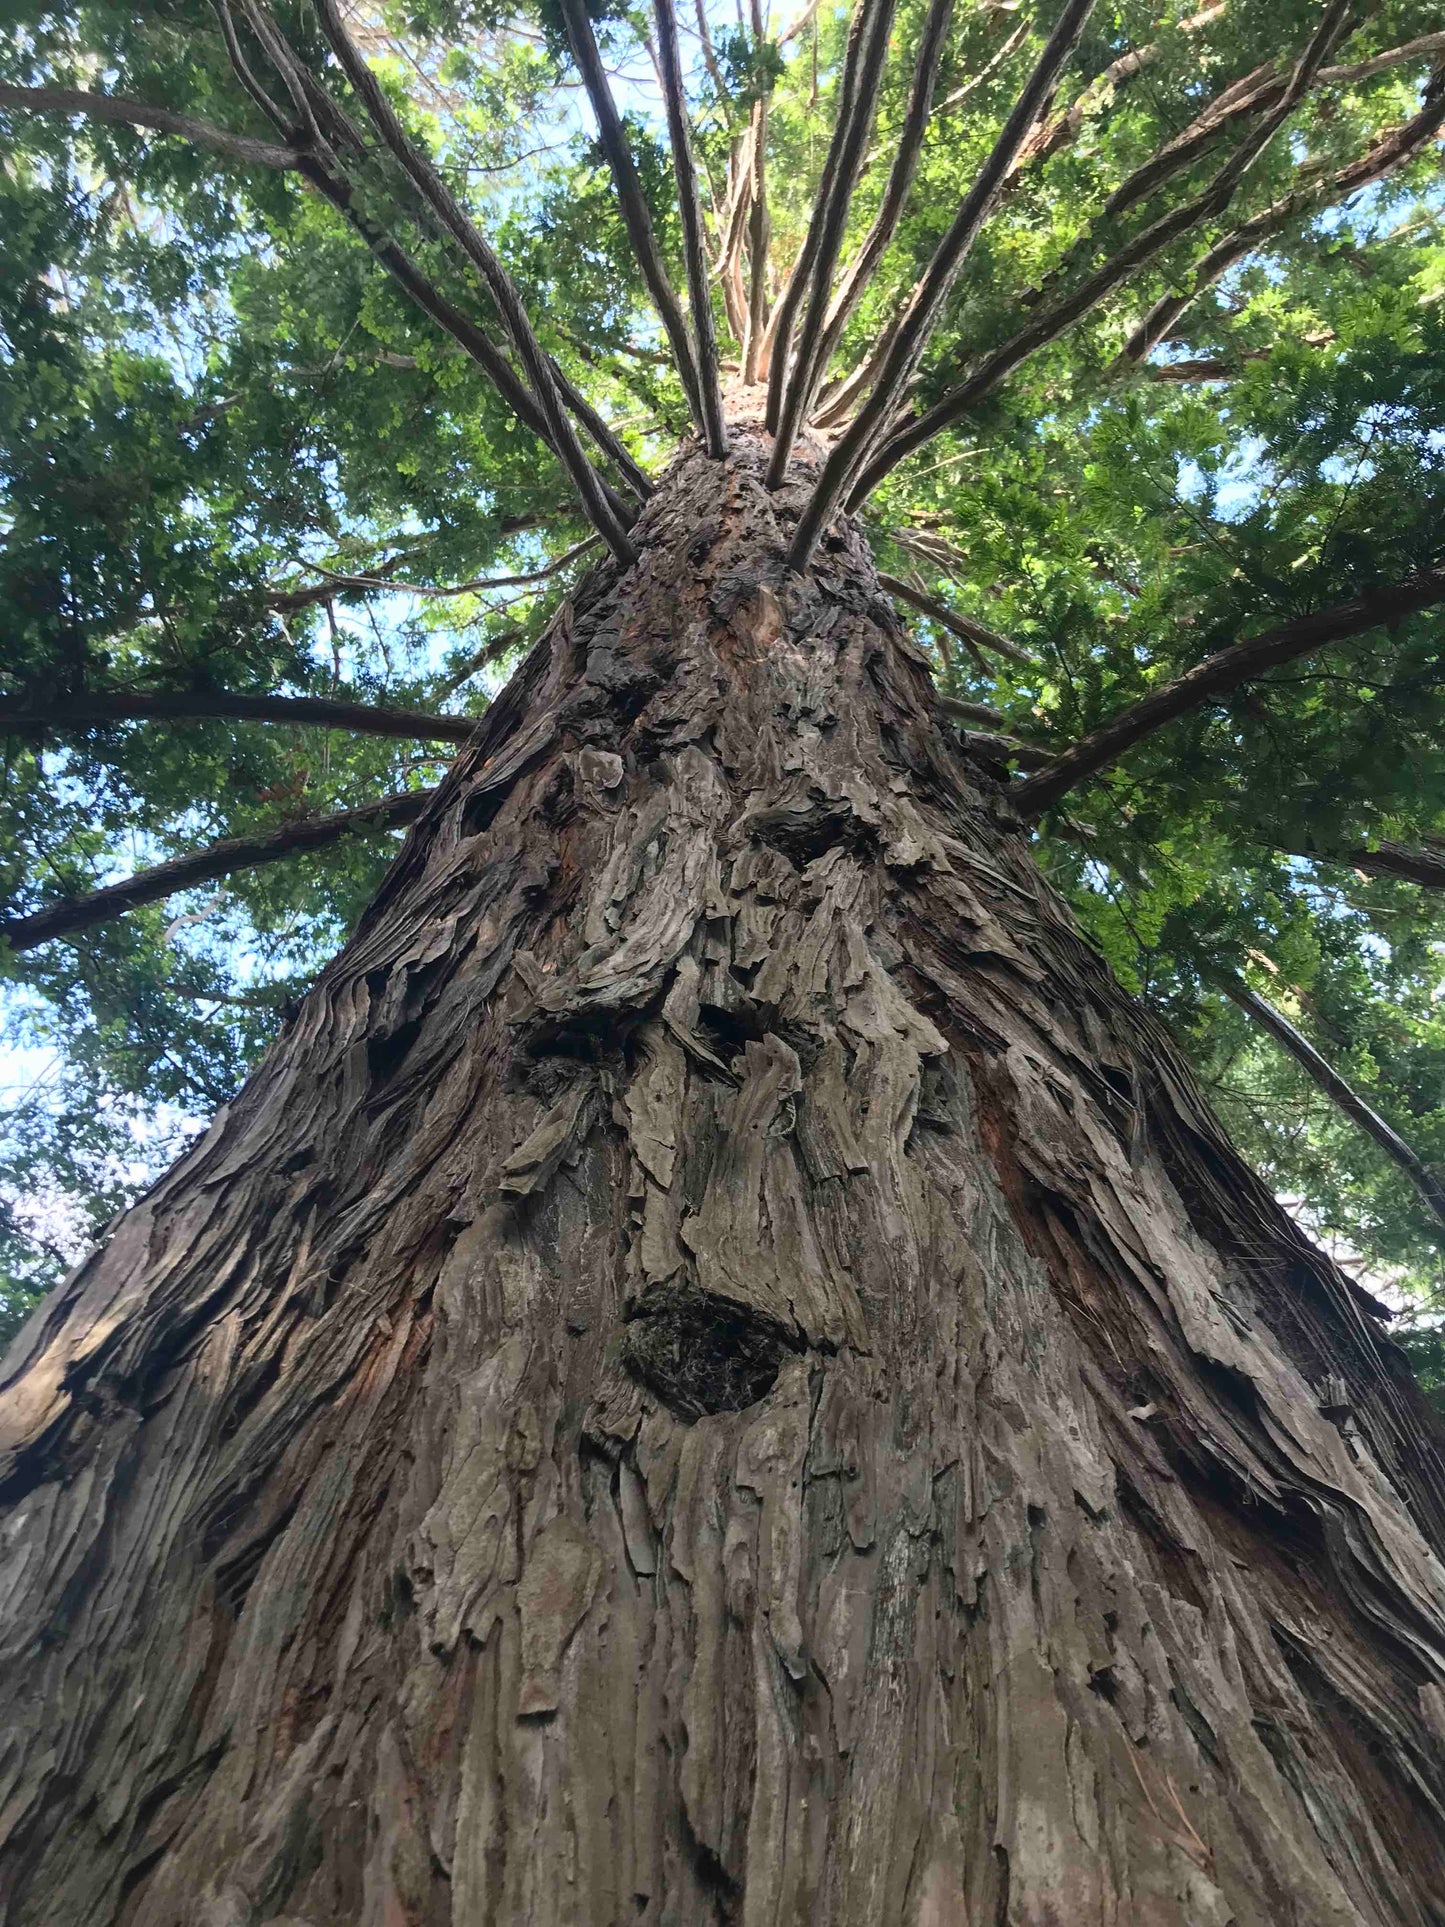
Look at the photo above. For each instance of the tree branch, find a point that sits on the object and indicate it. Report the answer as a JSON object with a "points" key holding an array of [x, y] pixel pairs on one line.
{"points": [[1218, 674], [334, 188], [636, 218], [1388, 153], [997, 746], [100, 710], [439, 198], [1053, 135], [1341, 1093], [1414, 865], [1150, 241], [964, 627], [118, 111], [921, 314], [693, 243], [203, 866], [759, 231], [1256, 92], [794, 388], [861, 268], [729, 266], [334, 580], [786, 312]]}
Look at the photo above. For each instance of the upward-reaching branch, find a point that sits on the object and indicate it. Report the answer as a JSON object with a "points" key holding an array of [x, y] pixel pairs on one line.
{"points": [[630, 198], [801, 270], [1221, 672], [921, 314], [1148, 243], [439, 198], [1388, 153], [867, 50], [861, 268], [1257, 92], [332, 185], [1065, 127], [693, 242], [759, 231]]}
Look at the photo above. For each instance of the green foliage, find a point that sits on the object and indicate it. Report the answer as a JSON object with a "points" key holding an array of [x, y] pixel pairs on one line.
{"points": [[213, 401]]}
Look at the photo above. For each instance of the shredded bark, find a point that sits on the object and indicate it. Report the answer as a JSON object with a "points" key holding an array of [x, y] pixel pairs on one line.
{"points": [[720, 1369]]}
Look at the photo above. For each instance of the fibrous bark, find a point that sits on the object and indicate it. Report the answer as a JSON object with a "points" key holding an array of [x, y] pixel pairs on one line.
{"points": [[720, 1371]]}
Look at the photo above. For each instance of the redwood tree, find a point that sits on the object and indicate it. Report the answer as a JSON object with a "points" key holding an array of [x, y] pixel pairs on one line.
{"points": [[721, 1366]]}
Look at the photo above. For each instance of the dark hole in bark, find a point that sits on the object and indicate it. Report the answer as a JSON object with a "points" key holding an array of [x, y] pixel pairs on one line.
{"points": [[480, 809], [700, 1353], [803, 835], [384, 1054], [583, 1036], [559, 800], [728, 1032]]}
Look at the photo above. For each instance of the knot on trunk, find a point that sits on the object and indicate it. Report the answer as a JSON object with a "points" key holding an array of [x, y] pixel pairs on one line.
{"points": [[700, 1353]]}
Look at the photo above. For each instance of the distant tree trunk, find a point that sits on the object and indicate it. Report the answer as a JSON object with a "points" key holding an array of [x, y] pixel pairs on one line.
{"points": [[720, 1371]]}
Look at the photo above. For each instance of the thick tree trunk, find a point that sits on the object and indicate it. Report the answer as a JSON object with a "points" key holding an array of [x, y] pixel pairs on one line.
{"points": [[720, 1371]]}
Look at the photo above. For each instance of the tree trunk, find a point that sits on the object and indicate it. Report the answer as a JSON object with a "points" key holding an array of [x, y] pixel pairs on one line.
{"points": [[720, 1371]]}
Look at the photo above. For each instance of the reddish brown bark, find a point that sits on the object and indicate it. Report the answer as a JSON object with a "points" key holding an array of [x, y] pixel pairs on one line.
{"points": [[720, 1371]]}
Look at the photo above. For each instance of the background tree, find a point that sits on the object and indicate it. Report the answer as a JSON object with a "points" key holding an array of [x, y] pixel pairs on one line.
{"points": [[350, 356]]}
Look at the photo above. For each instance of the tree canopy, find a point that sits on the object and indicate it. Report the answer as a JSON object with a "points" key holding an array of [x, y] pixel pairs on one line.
{"points": [[337, 344]]}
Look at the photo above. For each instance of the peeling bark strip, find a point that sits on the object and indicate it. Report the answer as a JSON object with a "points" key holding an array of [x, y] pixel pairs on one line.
{"points": [[720, 1371]]}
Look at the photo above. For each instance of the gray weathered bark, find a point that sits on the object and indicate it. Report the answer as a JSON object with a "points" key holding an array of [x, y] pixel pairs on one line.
{"points": [[720, 1371]]}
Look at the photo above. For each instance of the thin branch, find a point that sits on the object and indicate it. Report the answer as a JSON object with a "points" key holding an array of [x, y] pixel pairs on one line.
{"points": [[964, 627], [478, 585], [922, 312], [1046, 139], [800, 22], [693, 242], [1388, 153], [986, 72], [1145, 245], [203, 866], [438, 196], [635, 215], [799, 275], [1256, 92], [334, 187], [118, 111], [1341, 1093], [1228, 368], [759, 231], [794, 387], [1065, 127], [965, 712], [709, 54], [729, 267], [100, 710], [607, 440], [1222, 672], [870, 252]]}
